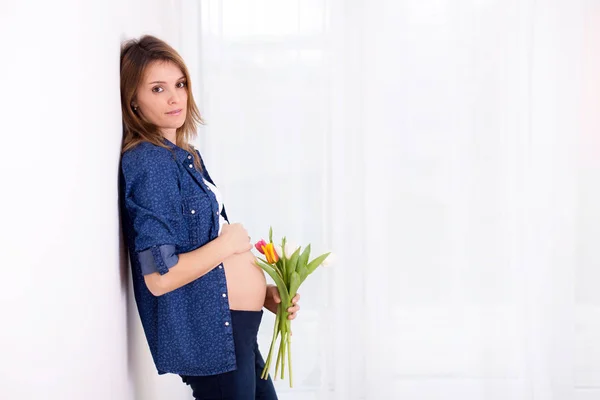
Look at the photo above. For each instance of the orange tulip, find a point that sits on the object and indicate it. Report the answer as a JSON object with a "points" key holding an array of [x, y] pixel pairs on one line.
{"points": [[269, 252]]}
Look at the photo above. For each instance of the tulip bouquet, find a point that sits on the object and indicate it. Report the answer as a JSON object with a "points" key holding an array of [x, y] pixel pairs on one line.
{"points": [[289, 267]]}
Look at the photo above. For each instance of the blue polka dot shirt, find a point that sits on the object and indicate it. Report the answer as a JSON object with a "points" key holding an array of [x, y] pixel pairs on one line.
{"points": [[168, 209]]}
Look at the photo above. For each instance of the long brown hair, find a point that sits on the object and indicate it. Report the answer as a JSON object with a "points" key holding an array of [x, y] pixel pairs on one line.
{"points": [[136, 56]]}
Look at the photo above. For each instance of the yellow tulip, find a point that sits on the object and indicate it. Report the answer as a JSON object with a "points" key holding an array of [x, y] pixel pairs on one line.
{"points": [[270, 253]]}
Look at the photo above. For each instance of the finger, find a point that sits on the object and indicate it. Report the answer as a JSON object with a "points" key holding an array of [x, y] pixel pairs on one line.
{"points": [[294, 309], [276, 296], [296, 298]]}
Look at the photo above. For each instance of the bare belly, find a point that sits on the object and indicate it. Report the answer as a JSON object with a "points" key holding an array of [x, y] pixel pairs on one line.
{"points": [[246, 282]]}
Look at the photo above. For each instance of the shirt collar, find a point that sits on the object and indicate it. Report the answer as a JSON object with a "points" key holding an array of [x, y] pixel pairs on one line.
{"points": [[182, 155]]}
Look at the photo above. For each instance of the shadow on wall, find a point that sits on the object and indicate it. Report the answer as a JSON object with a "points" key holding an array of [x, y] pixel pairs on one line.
{"points": [[124, 275], [124, 268]]}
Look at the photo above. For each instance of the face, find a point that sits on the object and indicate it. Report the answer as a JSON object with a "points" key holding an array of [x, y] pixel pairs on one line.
{"points": [[162, 96]]}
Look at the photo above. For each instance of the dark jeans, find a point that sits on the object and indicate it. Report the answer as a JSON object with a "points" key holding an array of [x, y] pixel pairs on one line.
{"points": [[244, 383]]}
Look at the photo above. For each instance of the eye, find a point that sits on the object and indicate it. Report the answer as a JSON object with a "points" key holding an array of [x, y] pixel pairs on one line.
{"points": [[157, 87], [183, 84]]}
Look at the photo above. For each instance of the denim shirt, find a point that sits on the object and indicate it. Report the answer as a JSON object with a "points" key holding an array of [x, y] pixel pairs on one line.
{"points": [[168, 209]]}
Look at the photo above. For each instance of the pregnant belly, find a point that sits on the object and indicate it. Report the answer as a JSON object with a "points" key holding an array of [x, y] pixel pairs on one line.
{"points": [[246, 282]]}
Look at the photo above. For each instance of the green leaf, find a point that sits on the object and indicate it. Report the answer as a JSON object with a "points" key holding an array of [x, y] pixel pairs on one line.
{"points": [[262, 259], [283, 290], [316, 262], [271, 234], [301, 267], [280, 267], [271, 265], [295, 282], [291, 266]]}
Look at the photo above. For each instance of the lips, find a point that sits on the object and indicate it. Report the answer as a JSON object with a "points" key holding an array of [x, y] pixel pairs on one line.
{"points": [[175, 112]]}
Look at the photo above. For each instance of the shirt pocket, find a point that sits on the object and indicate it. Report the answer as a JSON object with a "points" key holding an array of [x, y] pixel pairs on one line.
{"points": [[197, 212]]}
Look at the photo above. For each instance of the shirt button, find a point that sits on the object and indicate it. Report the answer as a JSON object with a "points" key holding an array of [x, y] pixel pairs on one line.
{"points": [[191, 165], [193, 211], [226, 323], [220, 267], [224, 294], [217, 213], [189, 157]]}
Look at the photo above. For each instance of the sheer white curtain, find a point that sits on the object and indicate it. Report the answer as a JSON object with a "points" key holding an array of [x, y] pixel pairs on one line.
{"points": [[444, 150]]}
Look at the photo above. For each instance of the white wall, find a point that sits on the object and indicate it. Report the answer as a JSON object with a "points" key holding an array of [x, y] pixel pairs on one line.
{"points": [[63, 326]]}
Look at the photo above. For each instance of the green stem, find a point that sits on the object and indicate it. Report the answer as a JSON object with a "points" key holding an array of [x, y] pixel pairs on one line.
{"points": [[285, 271], [285, 329], [290, 356], [265, 371], [283, 347], [282, 310], [285, 342], [278, 356]]}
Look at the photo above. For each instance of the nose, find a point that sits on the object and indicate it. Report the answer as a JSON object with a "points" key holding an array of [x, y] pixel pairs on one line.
{"points": [[174, 98]]}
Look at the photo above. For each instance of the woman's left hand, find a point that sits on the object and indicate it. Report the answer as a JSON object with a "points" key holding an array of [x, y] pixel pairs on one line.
{"points": [[272, 299]]}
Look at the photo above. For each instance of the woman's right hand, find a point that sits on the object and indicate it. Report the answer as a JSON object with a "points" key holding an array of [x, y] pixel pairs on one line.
{"points": [[236, 237]]}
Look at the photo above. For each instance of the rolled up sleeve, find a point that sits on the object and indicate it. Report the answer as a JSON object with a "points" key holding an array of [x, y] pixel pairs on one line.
{"points": [[153, 204]]}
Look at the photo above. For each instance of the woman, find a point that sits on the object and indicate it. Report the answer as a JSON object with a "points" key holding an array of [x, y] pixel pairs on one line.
{"points": [[198, 290]]}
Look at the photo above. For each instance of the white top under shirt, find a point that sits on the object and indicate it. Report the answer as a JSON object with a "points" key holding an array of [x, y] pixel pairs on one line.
{"points": [[219, 197]]}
